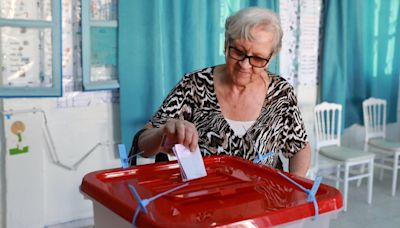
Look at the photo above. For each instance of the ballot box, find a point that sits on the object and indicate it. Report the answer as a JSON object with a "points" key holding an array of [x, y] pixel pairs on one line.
{"points": [[235, 193]]}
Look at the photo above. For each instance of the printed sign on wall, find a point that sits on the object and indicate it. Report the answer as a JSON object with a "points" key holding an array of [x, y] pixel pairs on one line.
{"points": [[23, 133], [17, 128]]}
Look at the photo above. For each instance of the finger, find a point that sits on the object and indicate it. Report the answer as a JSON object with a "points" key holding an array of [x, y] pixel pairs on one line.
{"points": [[167, 141], [168, 138], [188, 137], [180, 131], [192, 138], [194, 142], [169, 127]]}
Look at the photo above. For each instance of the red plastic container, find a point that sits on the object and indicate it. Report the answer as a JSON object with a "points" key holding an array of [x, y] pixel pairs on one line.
{"points": [[235, 192]]}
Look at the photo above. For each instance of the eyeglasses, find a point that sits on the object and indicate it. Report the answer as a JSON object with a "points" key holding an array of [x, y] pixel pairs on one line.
{"points": [[255, 61]]}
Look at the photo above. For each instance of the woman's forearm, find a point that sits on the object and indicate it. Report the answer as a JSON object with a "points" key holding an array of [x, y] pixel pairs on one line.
{"points": [[150, 141], [300, 162]]}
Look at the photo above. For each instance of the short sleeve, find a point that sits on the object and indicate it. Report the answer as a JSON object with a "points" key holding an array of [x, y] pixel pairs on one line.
{"points": [[178, 103], [294, 133]]}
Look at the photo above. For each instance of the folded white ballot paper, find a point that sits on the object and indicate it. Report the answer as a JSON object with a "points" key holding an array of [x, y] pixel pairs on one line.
{"points": [[191, 163]]}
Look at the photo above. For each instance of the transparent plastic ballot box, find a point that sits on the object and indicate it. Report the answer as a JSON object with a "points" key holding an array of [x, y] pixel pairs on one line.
{"points": [[235, 193]]}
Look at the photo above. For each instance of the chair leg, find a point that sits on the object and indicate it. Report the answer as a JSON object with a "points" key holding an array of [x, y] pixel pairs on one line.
{"points": [[346, 185], [370, 180], [395, 169], [382, 169], [362, 170], [312, 173], [337, 183]]}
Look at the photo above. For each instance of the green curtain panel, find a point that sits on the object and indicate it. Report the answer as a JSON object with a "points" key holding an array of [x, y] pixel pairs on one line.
{"points": [[360, 55], [161, 40]]}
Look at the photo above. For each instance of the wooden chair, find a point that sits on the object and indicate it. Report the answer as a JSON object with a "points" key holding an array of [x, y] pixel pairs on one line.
{"points": [[327, 125]]}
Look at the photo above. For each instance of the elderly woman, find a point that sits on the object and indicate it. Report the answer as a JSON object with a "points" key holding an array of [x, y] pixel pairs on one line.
{"points": [[237, 109]]}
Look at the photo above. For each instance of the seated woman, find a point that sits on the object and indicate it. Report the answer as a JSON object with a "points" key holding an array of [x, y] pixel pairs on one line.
{"points": [[238, 108]]}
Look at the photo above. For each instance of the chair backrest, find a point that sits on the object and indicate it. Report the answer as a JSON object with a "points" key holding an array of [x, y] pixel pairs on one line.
{"points": [[374, 112], [327, 124]]}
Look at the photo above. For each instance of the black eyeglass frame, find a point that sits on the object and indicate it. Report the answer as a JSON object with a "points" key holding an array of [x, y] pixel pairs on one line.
{"points": [[250, 57]]}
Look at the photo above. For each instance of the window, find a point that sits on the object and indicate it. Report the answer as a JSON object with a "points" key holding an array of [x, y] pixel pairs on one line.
{"points": [[30, 48], [99, 44]]}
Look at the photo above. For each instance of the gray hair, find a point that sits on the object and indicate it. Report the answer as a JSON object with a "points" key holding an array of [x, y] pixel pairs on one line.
{"points": [[239, 25]]}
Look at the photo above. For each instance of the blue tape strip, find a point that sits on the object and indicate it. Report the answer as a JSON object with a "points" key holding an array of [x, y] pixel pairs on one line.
{"points": [[144, 202], [261, 158], [134, 155], [135, 217], [314, 189], [8, 116], [123, 156], [310, 192]]}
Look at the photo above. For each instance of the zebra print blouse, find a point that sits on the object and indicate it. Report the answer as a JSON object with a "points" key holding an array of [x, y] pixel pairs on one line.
{"points": [[278, 128]]}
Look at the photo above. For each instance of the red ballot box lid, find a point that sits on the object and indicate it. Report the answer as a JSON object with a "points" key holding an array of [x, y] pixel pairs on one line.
{"points": [[234, 191]]}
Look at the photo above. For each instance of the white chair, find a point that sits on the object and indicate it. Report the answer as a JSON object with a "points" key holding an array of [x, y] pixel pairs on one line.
{"points": [[388, 152], [327, 125]]}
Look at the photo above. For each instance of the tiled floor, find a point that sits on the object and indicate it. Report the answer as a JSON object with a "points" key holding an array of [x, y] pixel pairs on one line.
{"points": [[384, 212], [80, 223]]}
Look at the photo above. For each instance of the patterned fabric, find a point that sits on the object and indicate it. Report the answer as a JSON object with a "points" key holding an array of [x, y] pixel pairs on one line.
{"points": [[278, 128]]}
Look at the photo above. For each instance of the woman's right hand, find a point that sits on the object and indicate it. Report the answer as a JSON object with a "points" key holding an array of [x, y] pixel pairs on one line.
{"points": [[176, 131]]}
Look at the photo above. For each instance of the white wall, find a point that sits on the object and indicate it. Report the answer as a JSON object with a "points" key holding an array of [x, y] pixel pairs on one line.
{"points": [[35, 186]]}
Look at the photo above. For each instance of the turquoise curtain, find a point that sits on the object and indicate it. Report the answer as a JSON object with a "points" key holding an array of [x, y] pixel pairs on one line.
{"points": [[360, 55], [159, 41]]}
